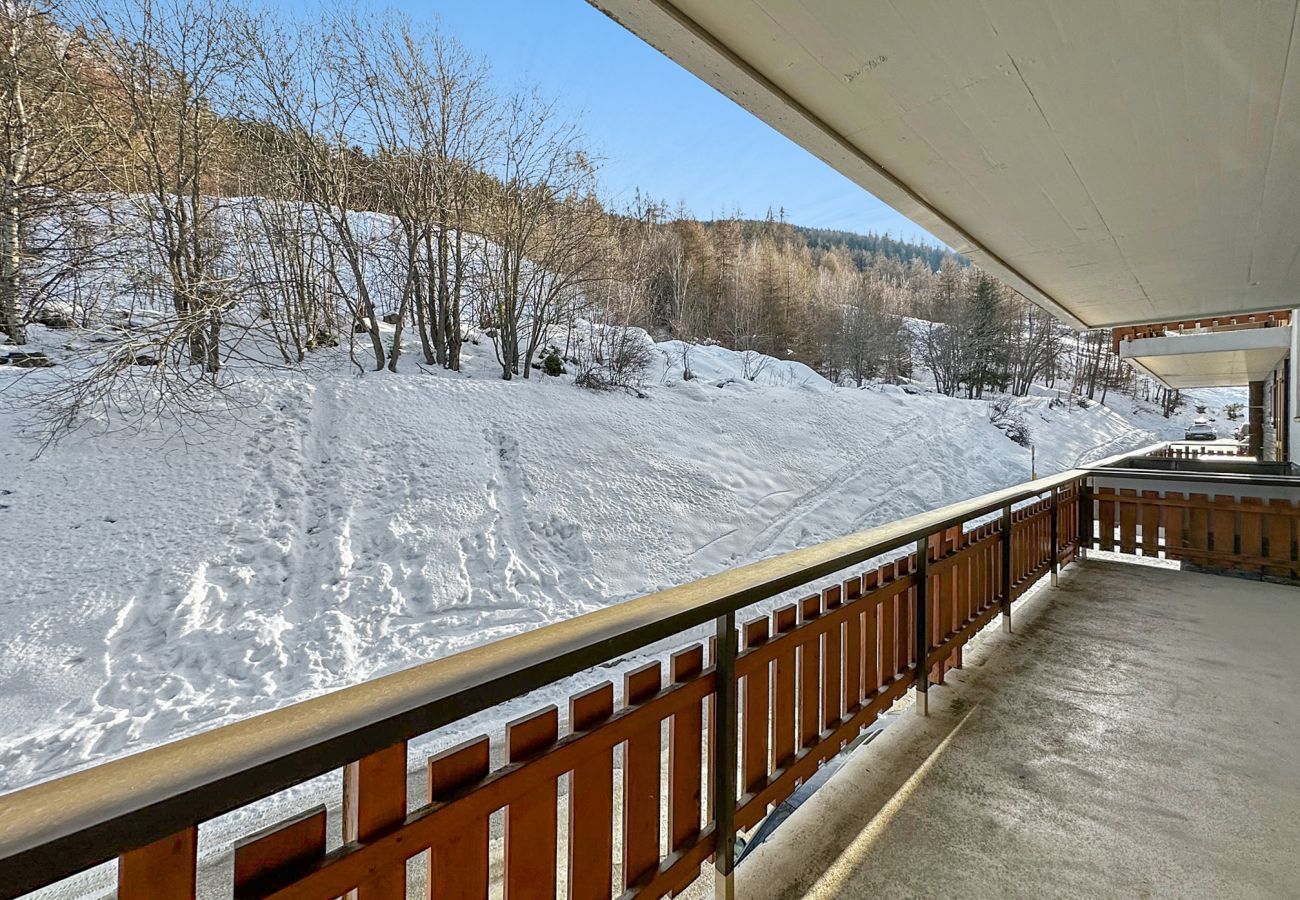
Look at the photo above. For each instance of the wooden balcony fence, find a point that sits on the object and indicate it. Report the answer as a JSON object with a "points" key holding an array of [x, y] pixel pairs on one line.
{"points": [[1225, 532], [1185, 452], [732, 727]]}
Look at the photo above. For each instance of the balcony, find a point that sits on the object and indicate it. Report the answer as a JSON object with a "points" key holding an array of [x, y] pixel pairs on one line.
{"points": [[1134, 719], [1214, 352], [1135, 736]]}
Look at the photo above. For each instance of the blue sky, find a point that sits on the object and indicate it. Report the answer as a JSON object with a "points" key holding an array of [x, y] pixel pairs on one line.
{"points": [[654, 125]]}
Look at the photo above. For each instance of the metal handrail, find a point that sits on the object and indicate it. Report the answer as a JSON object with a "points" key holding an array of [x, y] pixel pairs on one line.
{"points": [[55, 829], [1221, 478]]}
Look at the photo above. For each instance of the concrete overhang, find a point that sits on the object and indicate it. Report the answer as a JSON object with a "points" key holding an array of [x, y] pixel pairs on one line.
{"points": [[1116, 161], [1213, 359]]}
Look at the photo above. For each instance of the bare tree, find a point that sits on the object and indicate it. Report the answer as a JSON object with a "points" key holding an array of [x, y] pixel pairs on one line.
{"points": [[170, 66], [42, 162], [539, 220], [307, 89], [425, 102]]}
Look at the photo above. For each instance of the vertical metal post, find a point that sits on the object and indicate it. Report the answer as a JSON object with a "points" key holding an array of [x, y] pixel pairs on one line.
{"points": [[1085, 519], [1056, 540], [724, 760], [1006, 568], [922, 635]]}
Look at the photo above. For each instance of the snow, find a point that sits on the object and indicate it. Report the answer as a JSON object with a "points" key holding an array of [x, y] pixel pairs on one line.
{"points": [[339, 527]]}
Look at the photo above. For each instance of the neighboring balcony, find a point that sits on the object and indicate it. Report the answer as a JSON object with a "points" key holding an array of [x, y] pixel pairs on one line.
{"points": [[1223, 352], [1130, 731]]}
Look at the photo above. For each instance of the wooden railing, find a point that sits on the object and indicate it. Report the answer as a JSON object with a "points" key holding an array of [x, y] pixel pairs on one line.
{"points": [[749, 715], [1185, 452], [627, 791], [1243, 527], [1212, 323]]}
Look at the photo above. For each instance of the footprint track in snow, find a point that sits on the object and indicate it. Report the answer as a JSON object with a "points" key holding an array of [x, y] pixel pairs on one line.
{"points": [[518, 560]]}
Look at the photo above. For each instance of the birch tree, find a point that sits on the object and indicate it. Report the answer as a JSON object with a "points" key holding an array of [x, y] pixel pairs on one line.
{"points": [[42, 164]]}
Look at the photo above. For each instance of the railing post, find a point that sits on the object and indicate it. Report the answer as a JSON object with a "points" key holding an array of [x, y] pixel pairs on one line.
{"points": [[724, 761], [922, 577], [1084, 539], [1006, 568], [1056, 542]]}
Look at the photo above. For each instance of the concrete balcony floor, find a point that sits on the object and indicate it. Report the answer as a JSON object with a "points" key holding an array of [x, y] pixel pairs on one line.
{"points": [[1138, 735]]}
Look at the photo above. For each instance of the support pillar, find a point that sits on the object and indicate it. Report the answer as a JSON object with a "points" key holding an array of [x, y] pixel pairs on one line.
{"points": [[1255, 421]]}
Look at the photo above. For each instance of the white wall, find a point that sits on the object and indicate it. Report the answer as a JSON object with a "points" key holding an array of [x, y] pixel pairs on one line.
{"points": [[1294, 425]]}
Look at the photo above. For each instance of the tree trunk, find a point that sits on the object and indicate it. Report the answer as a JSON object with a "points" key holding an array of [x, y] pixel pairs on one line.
{"points": [[11, 313]]}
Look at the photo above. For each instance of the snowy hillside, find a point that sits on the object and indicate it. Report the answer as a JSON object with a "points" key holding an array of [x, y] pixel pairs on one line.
{"points": [[349, 526]]}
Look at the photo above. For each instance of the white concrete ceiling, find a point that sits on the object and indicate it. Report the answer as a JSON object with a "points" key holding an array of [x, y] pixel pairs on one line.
{"points": [[1117, 161], [1229, 369]]}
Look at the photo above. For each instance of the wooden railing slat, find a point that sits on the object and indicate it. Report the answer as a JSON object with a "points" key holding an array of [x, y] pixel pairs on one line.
{"points": [[1251, 534], [870, 636], [1280, 538], [1198, 522], [809, 675], [374, 801], [851, 695], [907, 617], [531, 820], [163, 870], [887, 612], [754, 710], [641, 761], [831, 661], [1105, 521], [1128, 522], [685, 746], [277, 853], [1150, 524], [591, 801], [962, 610], [458, 859], [784, 621]]}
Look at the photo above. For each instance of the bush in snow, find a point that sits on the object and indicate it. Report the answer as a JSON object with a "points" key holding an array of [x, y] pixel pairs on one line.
{"points": [[1005, 417], [611, 355], [553, 365]]}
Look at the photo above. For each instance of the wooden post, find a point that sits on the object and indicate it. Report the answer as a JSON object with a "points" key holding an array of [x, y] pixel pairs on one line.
{"points": [[1084, 539], [922, 636], [1005, 595], [724, 763], [1056, 541]]}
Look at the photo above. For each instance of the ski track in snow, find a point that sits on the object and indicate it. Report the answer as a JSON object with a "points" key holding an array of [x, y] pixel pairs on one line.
{"points": [[354, 526], [831, 489]]}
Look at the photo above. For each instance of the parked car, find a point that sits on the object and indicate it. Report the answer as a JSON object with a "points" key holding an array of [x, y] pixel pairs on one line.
{"points": [[1200, 430]]}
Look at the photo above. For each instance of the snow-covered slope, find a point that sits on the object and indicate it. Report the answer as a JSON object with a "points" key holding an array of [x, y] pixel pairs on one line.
{"points": [[347, 526]]}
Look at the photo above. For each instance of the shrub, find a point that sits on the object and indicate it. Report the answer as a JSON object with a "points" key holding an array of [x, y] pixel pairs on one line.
{"points": [[1006, 418], [553, 365]]}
